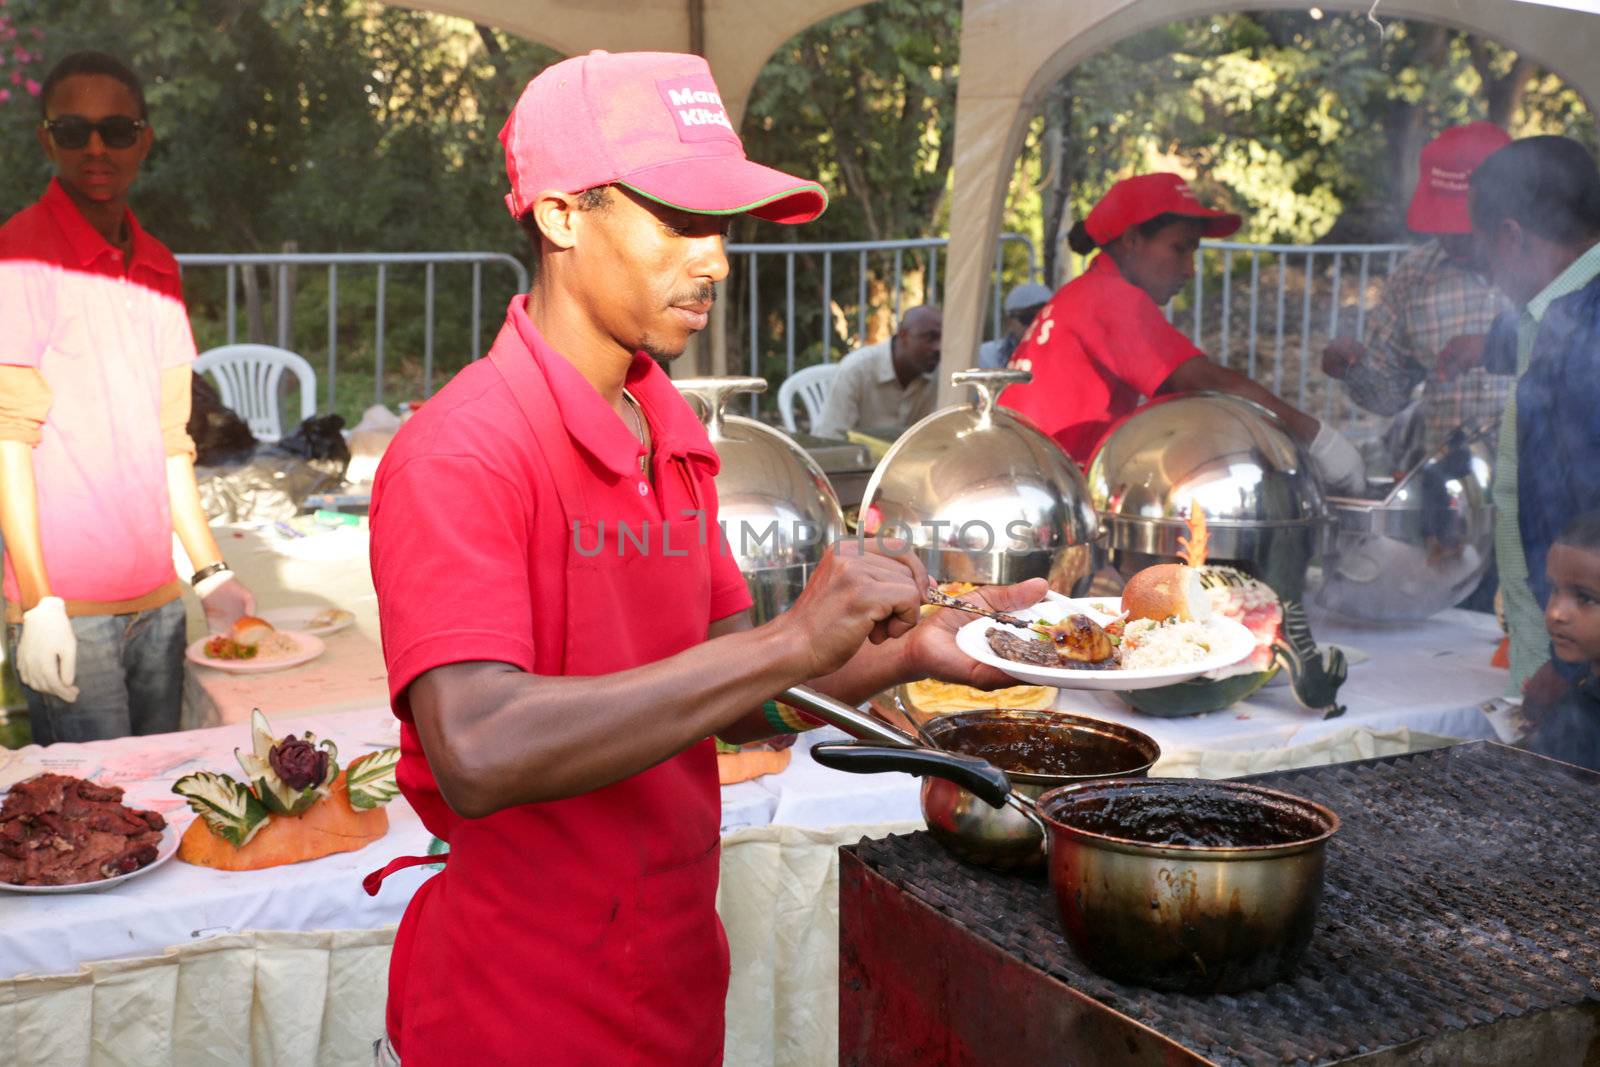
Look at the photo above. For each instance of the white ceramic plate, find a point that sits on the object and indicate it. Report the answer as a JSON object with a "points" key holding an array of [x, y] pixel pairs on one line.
{"points": [[1231, 639], [297, 617], [310, 649], [167, 849]]}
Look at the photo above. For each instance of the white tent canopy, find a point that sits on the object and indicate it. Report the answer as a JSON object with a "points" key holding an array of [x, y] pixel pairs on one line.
{"points": [[1012, 52]]}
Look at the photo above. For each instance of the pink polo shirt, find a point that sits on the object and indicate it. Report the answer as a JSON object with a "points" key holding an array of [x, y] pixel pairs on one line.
{"points": [[99, 333]]}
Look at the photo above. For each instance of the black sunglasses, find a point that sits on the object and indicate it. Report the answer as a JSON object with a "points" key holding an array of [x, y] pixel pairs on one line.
{"points": [[117, 131]]}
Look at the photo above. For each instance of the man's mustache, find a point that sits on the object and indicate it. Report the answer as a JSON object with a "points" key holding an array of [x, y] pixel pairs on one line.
{"points": [[705, 294]]}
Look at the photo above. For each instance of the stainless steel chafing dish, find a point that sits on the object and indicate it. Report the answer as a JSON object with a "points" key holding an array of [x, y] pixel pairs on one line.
{"points": [[984, 496], [1264, 508], [1417, 545], [778, 511]]}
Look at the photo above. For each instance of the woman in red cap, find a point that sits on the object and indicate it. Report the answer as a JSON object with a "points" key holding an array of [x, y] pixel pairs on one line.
{"points": [[1102, 344]]}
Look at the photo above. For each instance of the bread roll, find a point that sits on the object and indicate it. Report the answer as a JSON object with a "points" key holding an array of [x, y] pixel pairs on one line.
{"points": [[251, 631], [328, 826], [1164, 591]]}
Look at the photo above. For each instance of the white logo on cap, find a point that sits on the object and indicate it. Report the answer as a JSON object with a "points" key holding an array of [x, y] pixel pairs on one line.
{"points": [[697, 108]]}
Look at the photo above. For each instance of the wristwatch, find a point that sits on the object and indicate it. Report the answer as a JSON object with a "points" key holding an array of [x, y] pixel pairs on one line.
{"points": [[207, 571]]}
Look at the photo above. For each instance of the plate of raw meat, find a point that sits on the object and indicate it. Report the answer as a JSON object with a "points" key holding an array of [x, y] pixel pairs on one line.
{"points": [[60, 834]]}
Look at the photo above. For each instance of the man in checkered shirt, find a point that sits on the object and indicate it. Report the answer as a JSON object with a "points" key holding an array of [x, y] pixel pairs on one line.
{"points": [[1436, 309]]}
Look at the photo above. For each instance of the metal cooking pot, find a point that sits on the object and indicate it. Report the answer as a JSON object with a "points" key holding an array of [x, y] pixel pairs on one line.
{"points": [[1415, 546], [1180, 884], [778, 512], [1197, 917], [1147, 892], [1039, 750], [983, 496], [1174, 883], [1264, 508]]}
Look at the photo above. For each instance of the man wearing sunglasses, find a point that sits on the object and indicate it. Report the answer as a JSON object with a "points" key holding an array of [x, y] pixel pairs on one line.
{"points": [[96, 465]]}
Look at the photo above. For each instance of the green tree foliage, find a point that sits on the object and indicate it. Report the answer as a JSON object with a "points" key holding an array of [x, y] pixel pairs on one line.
{"points": [[1308, 124], [865, 103], [352, 125]]}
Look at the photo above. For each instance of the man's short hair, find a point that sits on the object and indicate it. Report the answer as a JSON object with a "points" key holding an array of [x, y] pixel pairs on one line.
{"points": [[593, 199], [91, 63], [1549, 185]]}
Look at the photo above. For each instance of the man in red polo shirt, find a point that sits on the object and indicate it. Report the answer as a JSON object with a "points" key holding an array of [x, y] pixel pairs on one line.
{"points": [[563, 630], [96, 465]]}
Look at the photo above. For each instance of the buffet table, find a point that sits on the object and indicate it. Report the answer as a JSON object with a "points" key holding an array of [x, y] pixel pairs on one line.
{"points": [[288, 965]]}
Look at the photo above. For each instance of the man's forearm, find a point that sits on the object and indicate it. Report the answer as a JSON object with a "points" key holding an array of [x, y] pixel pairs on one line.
{"points": [[497, 736], [19, 521], [1201, 373], [189, 520], [1381, 385]]}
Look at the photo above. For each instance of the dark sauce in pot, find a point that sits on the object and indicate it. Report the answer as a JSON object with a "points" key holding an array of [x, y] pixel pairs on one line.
{"points": [[1198, 817], [1025, 749]]}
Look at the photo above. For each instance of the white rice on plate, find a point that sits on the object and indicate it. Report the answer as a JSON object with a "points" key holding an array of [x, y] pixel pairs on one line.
{"points": [[276, 645], [1147, 644]]}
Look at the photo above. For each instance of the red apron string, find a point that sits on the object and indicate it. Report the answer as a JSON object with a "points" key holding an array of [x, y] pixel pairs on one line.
{"points": [[372, 881]]}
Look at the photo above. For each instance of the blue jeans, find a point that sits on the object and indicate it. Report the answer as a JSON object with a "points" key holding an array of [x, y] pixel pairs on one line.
{"points": [[130, 678]]}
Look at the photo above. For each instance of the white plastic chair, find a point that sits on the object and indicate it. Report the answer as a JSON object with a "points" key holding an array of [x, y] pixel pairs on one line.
{"points": [[811, 386], [247, 380]]}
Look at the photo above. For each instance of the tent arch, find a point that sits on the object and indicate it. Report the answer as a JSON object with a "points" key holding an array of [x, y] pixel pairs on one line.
{"points": [[739, 36]]}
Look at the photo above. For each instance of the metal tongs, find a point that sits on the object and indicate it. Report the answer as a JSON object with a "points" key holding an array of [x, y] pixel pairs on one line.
{"points": [[945, 600]]}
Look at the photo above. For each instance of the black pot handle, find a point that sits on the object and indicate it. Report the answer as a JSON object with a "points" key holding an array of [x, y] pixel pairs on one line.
{"points": [[979, 777]]}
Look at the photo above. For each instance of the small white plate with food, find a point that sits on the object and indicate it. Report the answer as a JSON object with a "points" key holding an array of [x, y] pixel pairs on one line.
{"points": [[1160, 631], [254, 646], [314, 619]]}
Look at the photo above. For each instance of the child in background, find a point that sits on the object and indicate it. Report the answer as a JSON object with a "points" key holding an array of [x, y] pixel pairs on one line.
{"points": [[1570, 729]]}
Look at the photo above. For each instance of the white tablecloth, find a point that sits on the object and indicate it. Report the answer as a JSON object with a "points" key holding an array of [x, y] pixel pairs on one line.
{"points": [[178, 903]]}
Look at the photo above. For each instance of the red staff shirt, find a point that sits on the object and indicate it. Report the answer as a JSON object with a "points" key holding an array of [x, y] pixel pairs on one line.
{"points": [[1098, 346], [468, 542]]}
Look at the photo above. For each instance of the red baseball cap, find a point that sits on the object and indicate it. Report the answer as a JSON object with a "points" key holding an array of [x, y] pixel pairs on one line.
{"points": [[1440, 203], [1135, 200], [652, 122]]}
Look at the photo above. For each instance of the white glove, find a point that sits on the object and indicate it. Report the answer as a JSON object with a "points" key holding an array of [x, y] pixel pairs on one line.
{"points": [[1339, 465], [47, 655], [224, 599]]}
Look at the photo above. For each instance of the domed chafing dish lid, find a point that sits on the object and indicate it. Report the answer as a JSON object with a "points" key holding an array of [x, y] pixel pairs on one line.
{"points": [[1230, 456], [983, 495], [776, 506]]}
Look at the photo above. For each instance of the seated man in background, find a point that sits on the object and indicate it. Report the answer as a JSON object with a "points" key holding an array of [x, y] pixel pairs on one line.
{"points": [[1429, 325], [883, 388], [1023, 304]]}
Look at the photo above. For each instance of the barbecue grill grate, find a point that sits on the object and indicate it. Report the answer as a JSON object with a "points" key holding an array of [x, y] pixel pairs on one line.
{"points": [[1463, 888]]}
